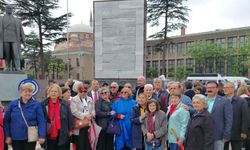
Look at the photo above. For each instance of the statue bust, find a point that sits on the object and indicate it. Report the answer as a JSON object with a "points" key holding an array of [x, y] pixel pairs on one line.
{"points": [[11, 37]]}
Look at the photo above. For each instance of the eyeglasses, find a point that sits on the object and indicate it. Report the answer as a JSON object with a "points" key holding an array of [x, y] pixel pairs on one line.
{"points": [[82, 90], [113, 87], [104, 93], [124, 92]]}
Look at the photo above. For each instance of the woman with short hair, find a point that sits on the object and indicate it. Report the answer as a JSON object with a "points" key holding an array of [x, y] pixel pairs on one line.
{"points": [[200, 129], [82, 106], [178, 118], [123, 109], [154, 127], [103, 113], [15, 127], [59, 119]]}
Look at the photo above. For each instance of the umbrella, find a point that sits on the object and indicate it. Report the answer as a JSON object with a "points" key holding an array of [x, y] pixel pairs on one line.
{"points": [[93, 134]]}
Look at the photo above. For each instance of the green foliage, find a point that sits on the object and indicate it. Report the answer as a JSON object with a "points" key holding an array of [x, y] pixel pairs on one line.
{"points": [[208, 54], [151, 72], [38, 14], [56, 67], [180, 73], [173, 12]]}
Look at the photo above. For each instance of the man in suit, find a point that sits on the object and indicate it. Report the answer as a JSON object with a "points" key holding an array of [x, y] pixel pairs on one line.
{"points": [[161, 94], [240, 117], [94, 92], [11, 37], [141, 81], [222, 114]]}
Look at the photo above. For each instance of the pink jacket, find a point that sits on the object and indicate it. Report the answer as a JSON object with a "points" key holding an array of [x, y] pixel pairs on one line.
{"points": [[1, 130]]}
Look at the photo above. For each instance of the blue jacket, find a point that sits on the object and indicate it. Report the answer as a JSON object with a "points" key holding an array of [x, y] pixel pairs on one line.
{"points": [[179, 122], [14, 125], [222, 114], [124, 107]]}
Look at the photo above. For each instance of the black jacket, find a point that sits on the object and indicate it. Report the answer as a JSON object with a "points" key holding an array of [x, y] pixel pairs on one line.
{"points": [[65, 118], [137, 91], [240, 117], [103, 109], [200, 132]]}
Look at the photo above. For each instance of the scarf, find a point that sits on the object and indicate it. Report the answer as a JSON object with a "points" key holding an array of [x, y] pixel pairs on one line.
{"points": [[172, 109], [151, 125], [54, 117]]}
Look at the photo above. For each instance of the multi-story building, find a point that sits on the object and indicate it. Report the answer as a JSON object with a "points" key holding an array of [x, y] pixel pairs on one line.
{"points": [[176, 52], [78, 52]]}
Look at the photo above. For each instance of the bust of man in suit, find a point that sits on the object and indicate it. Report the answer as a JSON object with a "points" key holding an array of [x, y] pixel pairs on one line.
{"points": [[11, 37]]}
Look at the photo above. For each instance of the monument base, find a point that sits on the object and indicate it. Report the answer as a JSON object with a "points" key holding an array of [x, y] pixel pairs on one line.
{"points": [[9, 81]]}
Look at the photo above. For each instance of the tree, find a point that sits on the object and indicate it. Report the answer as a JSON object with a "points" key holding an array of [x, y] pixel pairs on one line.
{"points": [[208, 54], [175, 17], [38, 13], [56, 68], [151, 72]]}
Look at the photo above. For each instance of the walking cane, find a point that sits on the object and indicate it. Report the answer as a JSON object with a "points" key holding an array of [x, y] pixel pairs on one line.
{"points": [[172, 132]]}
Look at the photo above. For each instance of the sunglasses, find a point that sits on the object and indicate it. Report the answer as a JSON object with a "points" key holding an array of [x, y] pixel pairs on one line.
{"points": [[104, 93], [82, 90]]}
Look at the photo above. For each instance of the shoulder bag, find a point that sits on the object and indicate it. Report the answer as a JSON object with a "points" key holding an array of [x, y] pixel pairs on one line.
{"points": [[32, 130]]}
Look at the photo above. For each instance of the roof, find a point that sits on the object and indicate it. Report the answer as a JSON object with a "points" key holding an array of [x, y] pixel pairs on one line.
{"points": [[81, 28]]}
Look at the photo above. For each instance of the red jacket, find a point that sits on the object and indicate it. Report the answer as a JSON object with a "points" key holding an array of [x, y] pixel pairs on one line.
{"points": [[1, 130]]}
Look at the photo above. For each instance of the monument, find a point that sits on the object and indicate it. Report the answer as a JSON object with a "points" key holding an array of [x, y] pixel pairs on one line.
{"points": [[11, 37], [119, 28]]}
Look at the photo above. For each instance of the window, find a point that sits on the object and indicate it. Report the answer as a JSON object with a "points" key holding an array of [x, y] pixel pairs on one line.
{"points": [[180, 62], [190, 44], [77, 62], [171, 64], [148, 50], [148, 64], [189, 63], [180, 48], [243, 41], [220, 65], [156, 49], [210, 41], [221, 42], [155, 64], [232, 42], [171, 49]]}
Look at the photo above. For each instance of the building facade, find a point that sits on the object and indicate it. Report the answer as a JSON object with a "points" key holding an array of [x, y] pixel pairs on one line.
{"points": [[78, 52], [177, 55]]}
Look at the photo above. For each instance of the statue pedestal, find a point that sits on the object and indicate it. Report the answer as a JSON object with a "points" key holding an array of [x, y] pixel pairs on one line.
{"points": [[9, 81]]}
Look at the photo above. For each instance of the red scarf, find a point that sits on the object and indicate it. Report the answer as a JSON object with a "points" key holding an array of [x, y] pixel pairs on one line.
{"points": [[151, 125], [172, 109], [54, 114]]}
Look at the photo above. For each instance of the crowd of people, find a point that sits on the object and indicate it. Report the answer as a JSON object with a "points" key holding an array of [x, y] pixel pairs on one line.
{"points": [[174, 116]]}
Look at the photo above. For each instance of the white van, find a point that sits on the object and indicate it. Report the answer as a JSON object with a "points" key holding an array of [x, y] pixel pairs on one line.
{"points": [[204, 77], [235, 79]]}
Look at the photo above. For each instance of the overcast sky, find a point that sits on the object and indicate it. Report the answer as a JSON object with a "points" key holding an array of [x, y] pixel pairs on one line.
{"points": [[205, 15]]}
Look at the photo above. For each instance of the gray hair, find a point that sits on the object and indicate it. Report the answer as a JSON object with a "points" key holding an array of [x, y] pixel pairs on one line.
{"points": [[202, 99], [104, 89], [114, 83], [148, 86]]}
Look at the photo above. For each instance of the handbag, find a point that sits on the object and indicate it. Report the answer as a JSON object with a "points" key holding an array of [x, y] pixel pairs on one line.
{"points": [[81, 123], [154, 142], [32, 130], [113, 126]]}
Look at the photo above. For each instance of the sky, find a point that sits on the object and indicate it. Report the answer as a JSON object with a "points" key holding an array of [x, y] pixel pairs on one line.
{"points": [[205, 15]]}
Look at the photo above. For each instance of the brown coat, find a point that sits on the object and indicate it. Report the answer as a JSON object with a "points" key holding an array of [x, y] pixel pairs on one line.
{"points": [[160, 127]]}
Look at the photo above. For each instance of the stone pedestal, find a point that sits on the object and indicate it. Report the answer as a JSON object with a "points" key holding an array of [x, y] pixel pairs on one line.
{"points": [[9, 84]]}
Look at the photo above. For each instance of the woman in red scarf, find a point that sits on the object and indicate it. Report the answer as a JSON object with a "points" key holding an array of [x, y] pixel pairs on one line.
{"points": [[154, 127], [59, 119]]}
